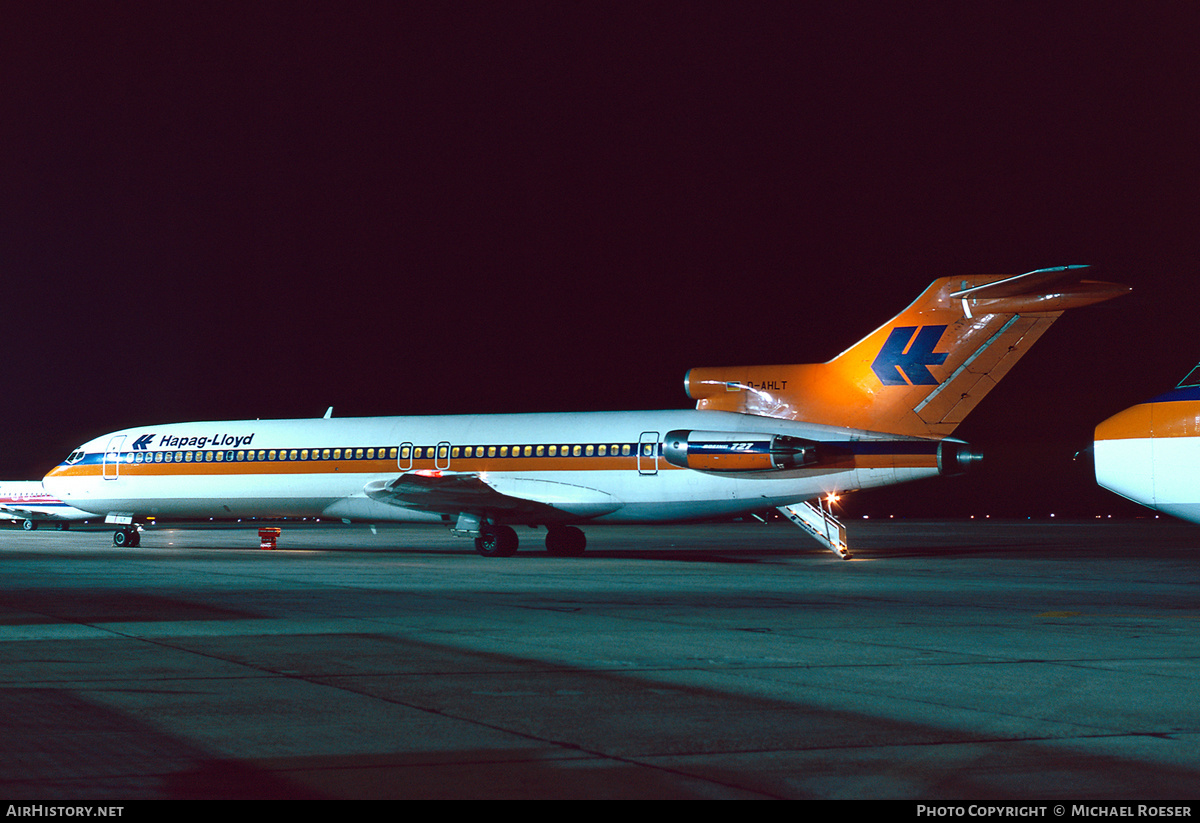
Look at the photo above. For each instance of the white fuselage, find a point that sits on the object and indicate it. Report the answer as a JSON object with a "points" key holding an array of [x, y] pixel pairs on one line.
{"points": [[322, 467]]}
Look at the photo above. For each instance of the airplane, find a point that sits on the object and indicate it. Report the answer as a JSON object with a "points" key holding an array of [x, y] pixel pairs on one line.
{"points": [[26, 501], [1148, 453], [760, 437]]}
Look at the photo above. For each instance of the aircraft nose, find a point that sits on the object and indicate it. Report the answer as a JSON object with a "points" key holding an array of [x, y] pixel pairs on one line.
{"points": [[1123, 454]]}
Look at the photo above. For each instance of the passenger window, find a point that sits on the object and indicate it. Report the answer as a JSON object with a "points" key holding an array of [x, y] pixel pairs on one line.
{"points": [[553, 451], [404, 453], [337, 454], [603, 450], [625, 450], [271, 455], [504, 451], [392, 453], [454, 452], [541, 450], [528, 451], [370, 454], [578, 450], [491, 451]]}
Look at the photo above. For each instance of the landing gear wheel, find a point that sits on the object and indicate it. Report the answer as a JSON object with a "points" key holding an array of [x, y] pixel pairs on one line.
{"points": [[497, 541], [565, 541], [127, 538], [29, 525]]}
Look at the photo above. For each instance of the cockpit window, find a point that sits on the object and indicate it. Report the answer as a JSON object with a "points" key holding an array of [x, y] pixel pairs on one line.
{"points": [[1192, 380], [75, 456]]}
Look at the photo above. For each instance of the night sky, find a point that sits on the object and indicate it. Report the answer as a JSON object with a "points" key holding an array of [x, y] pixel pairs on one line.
{"points": [[238, 210]]}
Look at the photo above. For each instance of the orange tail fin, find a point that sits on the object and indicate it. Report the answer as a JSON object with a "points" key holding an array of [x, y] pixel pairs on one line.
{"points": [[922, 372]]}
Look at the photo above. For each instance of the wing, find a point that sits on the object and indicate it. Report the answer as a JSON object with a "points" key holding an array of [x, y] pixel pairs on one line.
{"points": [[493, 495]]}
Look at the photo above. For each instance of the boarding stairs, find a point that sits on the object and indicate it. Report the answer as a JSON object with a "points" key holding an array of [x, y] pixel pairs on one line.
{"points": [[820, 524]]}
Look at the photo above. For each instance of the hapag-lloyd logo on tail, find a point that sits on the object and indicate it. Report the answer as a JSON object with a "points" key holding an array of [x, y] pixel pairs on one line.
{"points": [[906, 355], [169, 441]]}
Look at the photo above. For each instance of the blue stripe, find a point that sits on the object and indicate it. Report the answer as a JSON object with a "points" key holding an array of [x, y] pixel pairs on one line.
{"points": [[893, 446], [1176, 395]]}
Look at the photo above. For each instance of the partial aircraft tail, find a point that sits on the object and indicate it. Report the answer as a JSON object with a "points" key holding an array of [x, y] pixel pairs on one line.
{"points": [[922, 372]]}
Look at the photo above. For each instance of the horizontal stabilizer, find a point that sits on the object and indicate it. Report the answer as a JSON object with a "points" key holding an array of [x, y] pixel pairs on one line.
{"points": [[1054, 289]]}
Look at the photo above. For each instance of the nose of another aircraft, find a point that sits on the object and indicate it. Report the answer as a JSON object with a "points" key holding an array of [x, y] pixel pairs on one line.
{"points": [[1123, 453]]}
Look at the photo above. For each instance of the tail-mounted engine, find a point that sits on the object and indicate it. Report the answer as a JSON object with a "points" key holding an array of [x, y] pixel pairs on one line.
{"points": [[737, 451], [956, 457]]}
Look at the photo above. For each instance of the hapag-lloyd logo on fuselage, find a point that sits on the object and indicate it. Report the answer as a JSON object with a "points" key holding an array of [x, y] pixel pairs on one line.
{"points": [[170, 441]]}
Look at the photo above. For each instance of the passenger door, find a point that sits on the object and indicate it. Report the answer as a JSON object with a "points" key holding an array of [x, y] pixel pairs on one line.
{"points": [[647, 456], [112, 457]]}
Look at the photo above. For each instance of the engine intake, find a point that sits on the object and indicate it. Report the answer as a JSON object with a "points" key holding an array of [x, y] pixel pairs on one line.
{"points": [[737, 451]]}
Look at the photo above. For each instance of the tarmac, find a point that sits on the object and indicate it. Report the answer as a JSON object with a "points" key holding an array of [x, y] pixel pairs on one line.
{"points": [[950, 660]]}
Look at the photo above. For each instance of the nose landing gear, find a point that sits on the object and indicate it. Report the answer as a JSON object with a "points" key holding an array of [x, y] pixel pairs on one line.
{"points": [[127, 538]]}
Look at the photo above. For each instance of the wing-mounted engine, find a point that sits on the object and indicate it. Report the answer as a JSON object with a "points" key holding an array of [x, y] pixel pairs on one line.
{"points": [[712, 451]]}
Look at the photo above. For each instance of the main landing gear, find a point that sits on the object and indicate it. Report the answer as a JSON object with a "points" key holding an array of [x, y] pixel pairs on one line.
{"points": [[497, 541], [565, 541], [31, 525], [502, 541], [127, 538]]}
